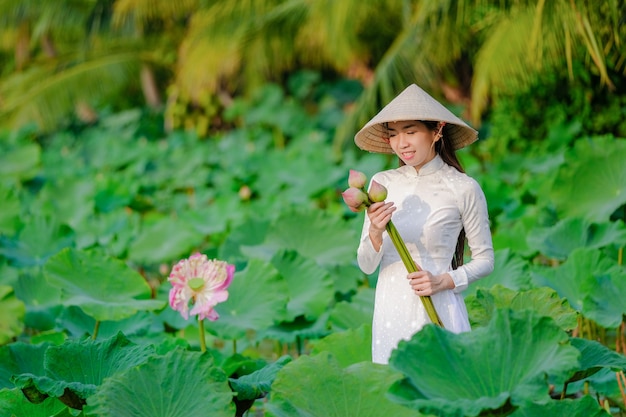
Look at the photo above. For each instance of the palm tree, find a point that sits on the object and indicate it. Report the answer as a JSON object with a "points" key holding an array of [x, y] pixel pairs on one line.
{"points": [[91, 52], [466, 51], [474, 51]]}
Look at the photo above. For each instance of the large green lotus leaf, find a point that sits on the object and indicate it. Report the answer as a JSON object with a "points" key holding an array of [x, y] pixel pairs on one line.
{"points": [[606, 305], [591, 282], [163, 239], [489, 368], [103, 287], [592, 181], [43, 301], [346, 278], [318, 385], [594, 357], [296, 172], [251, 232], [297, 330], [114, 192], [179, 165], [561, 239], [21, 358], [21, 162], [509, 270], [75, 369], [75, 322], [112, 231], [543, 300], [12, 313], [227, 210], [582, 407], [10, 213], [257, 299], [511, 233], [40, 238], [76, 203], [309, 287], [118, 151], [258, 383], [348, 347], [354, 313], [178, 384], [14, 404], [8, 274], [327, 239]]}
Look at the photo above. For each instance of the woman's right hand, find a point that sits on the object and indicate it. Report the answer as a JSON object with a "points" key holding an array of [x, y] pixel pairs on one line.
{"points": [[379, 215]]}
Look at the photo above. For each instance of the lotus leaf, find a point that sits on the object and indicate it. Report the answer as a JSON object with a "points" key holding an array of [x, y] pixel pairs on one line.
{"points": [[594, 173], [592, 283], [21, 358], [489, 369], [309, 287], [178, 384], [75, 369], [571, 233], [12, 311], [319, 386], [543, 300], [103, 287], [14, 403], [348, 347], [39, 239], [257, 299]]}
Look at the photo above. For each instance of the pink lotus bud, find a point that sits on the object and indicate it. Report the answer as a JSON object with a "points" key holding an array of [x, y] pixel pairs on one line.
{"points": [[356, 179], [355, 199], [377, 192]]}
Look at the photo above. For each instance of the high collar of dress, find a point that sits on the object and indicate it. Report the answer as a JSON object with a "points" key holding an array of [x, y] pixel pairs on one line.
{"points": [[429, 168]]}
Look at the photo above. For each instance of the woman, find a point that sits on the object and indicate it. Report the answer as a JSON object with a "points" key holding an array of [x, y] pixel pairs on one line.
{"points": [[434, 206]]}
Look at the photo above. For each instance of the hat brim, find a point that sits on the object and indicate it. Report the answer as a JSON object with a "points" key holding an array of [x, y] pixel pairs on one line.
{"points": [[413, 104]]}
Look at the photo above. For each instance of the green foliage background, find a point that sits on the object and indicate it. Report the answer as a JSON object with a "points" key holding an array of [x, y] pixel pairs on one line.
{"points": [[102, 190]]}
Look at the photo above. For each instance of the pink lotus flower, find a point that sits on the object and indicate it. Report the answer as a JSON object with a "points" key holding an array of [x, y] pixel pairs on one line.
{"points": [[201, 283]]}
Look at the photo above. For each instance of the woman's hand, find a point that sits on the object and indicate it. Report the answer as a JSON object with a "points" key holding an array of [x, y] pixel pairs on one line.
{"points": [[424, 283], [379, 215]]}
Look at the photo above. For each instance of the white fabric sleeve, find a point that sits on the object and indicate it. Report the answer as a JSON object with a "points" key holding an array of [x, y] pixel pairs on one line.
{"points": [[367, 257], [475, 219]]}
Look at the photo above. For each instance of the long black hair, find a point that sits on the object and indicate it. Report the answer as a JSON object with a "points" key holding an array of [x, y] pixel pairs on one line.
{"points": [[447, 152]]}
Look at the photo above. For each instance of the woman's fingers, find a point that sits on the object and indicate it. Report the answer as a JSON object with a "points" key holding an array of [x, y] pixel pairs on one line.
{"points": [[380, 214], [421, 282]]}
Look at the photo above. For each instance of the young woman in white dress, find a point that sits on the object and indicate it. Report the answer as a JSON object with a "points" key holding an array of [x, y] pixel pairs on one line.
{"points": [[435, 206]]}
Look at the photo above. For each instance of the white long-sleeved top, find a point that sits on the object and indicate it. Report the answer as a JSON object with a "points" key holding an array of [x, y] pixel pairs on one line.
{"points": [[433, 205]]}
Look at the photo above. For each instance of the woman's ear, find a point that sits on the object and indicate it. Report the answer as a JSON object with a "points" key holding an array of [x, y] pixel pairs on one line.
{"points": [[439, 133]]}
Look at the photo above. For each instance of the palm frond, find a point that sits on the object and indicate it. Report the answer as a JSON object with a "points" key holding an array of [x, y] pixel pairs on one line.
{"points": [[141, 12], [254, 40], [45, 15], [45, 95]]}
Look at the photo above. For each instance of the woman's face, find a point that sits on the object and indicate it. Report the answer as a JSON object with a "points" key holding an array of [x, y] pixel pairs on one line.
{"points": [[413, 142]]}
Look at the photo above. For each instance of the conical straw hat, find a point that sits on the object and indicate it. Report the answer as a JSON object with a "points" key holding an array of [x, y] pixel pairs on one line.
{"points": [[413, 104]]}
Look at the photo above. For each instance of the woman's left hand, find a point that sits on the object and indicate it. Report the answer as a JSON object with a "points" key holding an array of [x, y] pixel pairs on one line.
{"points": [[425, 284]]}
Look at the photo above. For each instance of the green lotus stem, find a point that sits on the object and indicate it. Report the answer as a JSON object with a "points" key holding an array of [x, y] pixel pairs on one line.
{"points": [[410, 265], [96, 328], [202, 339]]}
